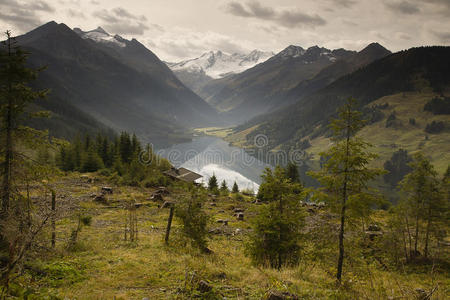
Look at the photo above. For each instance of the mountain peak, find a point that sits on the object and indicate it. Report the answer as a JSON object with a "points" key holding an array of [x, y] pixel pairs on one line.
{"points": [[99, 35], [375, 46], [217, 64], [292, 51], [100, 30]]}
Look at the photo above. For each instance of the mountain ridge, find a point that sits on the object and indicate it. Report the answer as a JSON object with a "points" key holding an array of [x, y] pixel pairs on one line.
{"points": [[109, 84]]}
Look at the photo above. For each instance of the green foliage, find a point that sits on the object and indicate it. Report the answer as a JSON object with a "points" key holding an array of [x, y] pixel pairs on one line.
{"points": [[438, 106], [122, 156], [397, 167], [292, 172], [213, 186], [423, 205], [435, 127], [276, 230], [345, 174], [391, 119], [62, 273], [224, 188], [235, 188], [193, 218]]}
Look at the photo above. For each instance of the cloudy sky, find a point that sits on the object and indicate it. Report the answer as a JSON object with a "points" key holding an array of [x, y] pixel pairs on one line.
{"points": [[179, 29]]}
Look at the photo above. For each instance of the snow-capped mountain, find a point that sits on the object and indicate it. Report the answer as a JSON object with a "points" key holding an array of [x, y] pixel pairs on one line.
{"points": [[99, 35], [218, 64]]}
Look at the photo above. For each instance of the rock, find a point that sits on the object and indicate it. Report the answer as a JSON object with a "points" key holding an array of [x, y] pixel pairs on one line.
{"points": [[145, 298], [373, 227], [237, 231], [212, 204], [162, 190], [101, 199], [92, 195], [275, 295], [107, 190], [238, 210], [216, 231], [167, 204], [156, 197], [204, 287], [240, 216], [224, 222], [421, 294]]}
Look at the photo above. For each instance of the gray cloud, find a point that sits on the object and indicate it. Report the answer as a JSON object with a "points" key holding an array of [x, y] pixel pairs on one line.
{"points": [[443, 37], [284, 17], [343, 3], [403, 7], [23, 15], [120, 21], [75, 13]]}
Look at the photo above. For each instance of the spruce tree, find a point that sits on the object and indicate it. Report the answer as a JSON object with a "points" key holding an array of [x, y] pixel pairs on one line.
{"points": [[212, 184], [235, 188], [15, 96], [224, 188], [424, 201], [276, 230]]}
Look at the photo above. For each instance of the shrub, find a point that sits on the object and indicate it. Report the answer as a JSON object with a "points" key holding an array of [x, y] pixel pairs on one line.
{"points": [[438, 106], [193, 218], [390, 121], [435, 127], [276, 230]]}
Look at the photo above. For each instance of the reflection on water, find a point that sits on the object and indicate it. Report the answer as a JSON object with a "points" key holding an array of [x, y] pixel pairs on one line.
{"points": [[211, 155]]}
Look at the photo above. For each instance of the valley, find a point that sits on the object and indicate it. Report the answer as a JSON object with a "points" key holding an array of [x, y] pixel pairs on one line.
{"points": [[244, 150]]}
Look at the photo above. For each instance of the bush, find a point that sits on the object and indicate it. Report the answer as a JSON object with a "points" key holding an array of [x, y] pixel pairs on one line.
{"points": [[193, 218], [438, 106], [435, 127], [391, 120], [397, 167], [276, 230]]}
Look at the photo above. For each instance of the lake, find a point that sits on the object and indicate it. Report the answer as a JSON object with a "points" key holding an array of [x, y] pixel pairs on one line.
{"points": [[208, 155]]}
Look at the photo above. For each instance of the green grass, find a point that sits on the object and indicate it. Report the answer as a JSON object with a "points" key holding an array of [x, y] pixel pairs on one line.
{"points": [[104, 266], [413, 138]]}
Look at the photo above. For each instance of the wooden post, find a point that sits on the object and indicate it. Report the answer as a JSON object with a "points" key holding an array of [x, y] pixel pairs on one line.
{"points": [[169, 224], [53, 218]]}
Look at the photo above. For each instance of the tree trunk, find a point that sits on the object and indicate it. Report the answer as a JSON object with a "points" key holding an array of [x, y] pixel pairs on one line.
{"points": [[6, 186], [344, 200], [280, 233], [427, 234], [416, 233], [53, 219], [169, 224]]}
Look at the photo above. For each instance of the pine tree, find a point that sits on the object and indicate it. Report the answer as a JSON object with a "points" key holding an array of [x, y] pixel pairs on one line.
{"points": [[424, 200], [224, 188], [397, 167], [292, 172], [345, 174], [194, 219], [276, 230], [15, 96], [212, 184], [235, 188]]}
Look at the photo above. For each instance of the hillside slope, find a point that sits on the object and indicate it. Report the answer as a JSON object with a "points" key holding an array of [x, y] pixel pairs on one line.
{"points": [[284, 79], [126, 88], [418, 71]]}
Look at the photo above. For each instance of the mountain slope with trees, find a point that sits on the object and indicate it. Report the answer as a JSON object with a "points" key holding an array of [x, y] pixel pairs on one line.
{"points": [[424, 69], [125, 88]]}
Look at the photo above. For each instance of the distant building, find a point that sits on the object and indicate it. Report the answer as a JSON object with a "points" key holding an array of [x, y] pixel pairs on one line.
{"points": [[182, 174]]}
